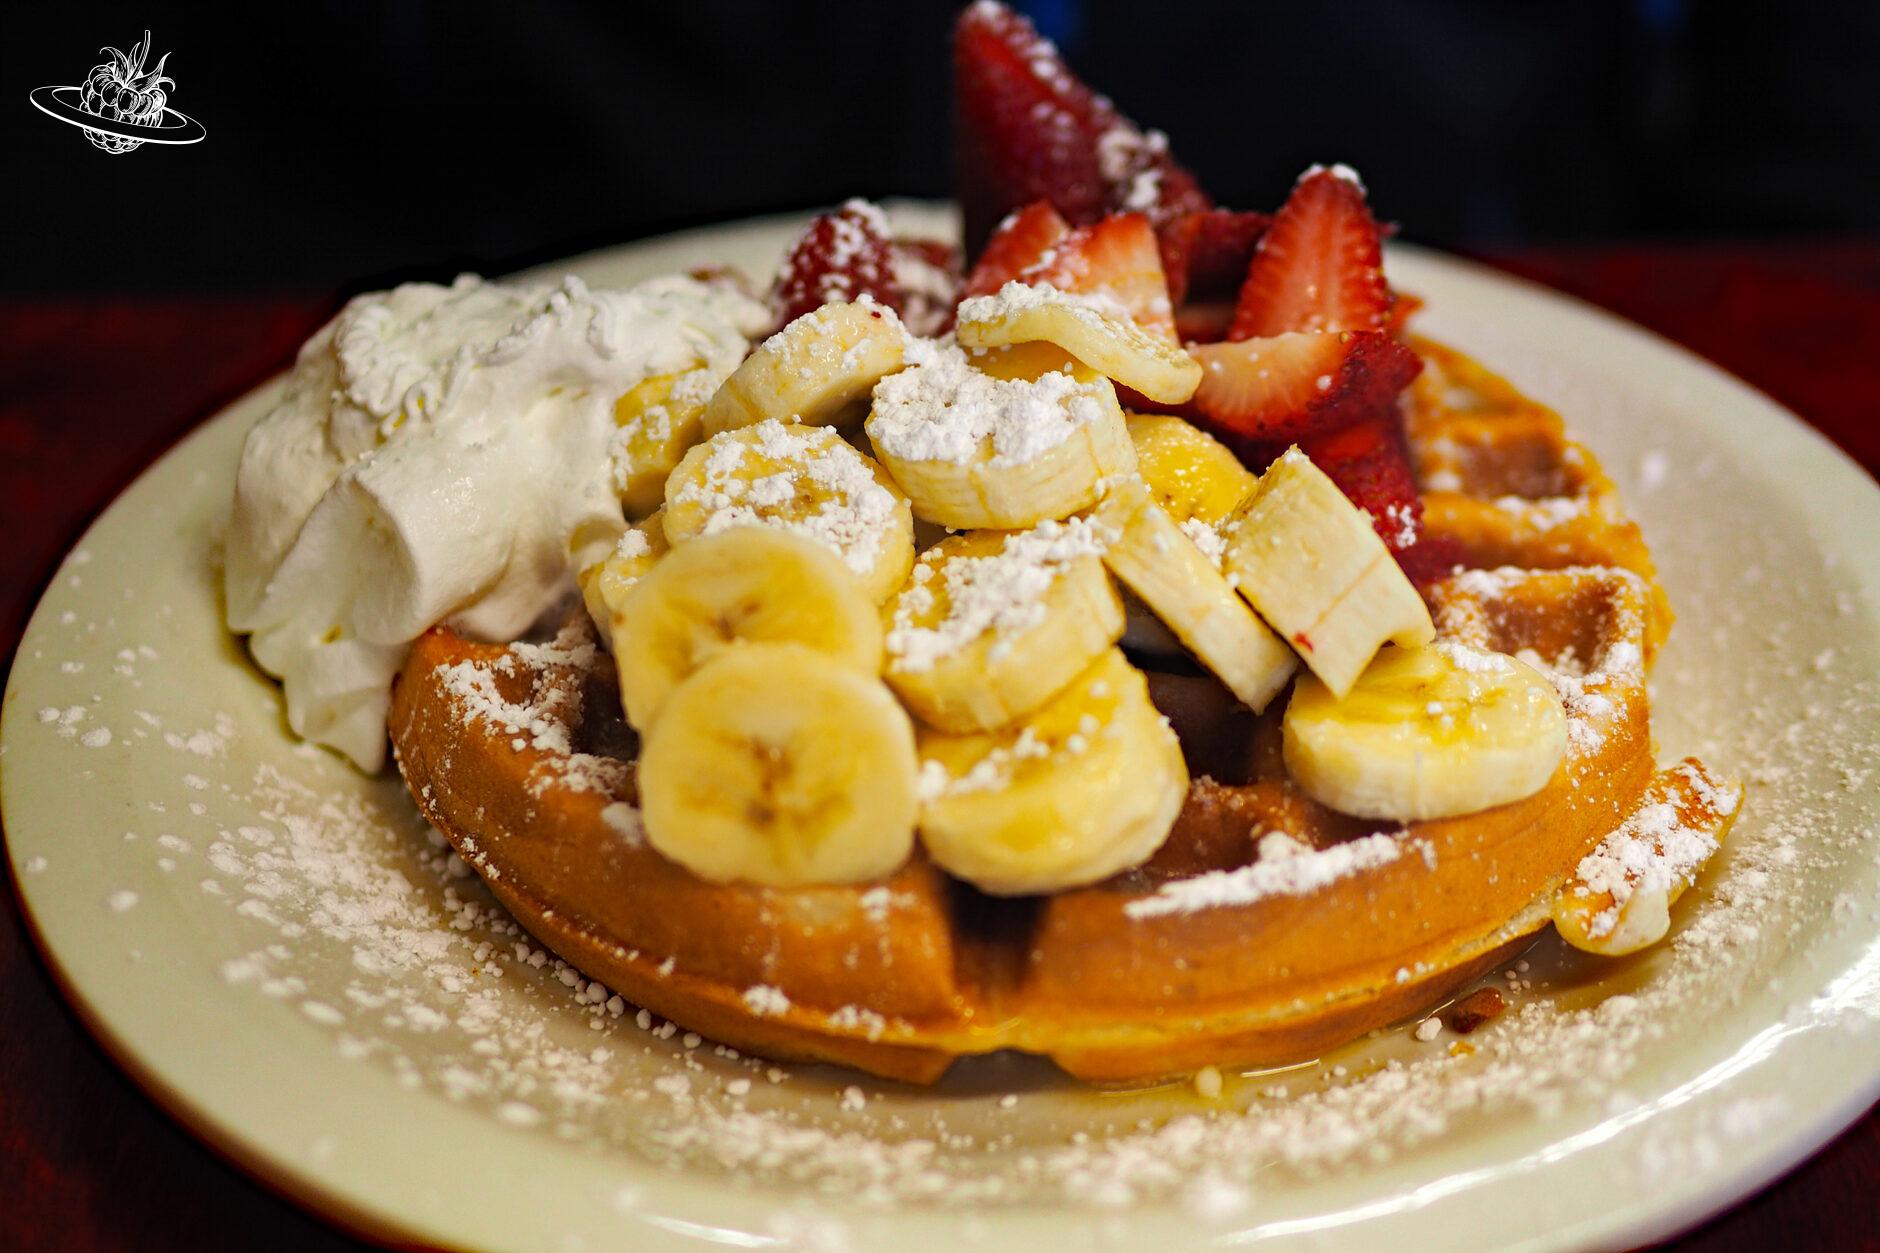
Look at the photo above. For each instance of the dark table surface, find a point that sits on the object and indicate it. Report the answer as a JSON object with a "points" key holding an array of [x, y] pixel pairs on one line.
{"points": [[91, 391]]}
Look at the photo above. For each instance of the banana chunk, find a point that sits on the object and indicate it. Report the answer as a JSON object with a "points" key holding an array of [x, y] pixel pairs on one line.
{"points": [[1619, 899], [973, 450], [1089, 785], [1309, 561], [1162, 565], [1098, 332], [992, 624], [605, 584], [814, 370], [779, 765], [1426, 733], [805, 479], [751, 584], [1192, 475], [658, 421]]}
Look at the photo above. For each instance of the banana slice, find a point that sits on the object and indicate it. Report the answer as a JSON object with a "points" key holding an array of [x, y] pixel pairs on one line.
{"points": [[1098, 332], [1310, 562], [1192, 475], [1087, 786], [973, 450], [1163, 566], [805, 479], [658, 420], [992, 624], [605, 583], [777, 764], [1426, 733], [749, 584], [814, 370], [1620, 897]]}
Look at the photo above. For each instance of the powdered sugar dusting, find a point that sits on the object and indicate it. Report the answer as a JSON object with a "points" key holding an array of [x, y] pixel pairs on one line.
{"points": [[1285, 868], [943, 409]]}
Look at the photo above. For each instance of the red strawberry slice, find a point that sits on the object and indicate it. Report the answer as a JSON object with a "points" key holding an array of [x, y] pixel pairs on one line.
{"points": [[1320, 265], [1026, 129], [1116, 257], [1370, 462], [1301, 384], [1020, 242], [841, 256], [1206, 254]]}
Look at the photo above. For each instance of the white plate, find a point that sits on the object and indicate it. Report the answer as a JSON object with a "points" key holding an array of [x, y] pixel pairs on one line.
{"points": [[272, 945]]}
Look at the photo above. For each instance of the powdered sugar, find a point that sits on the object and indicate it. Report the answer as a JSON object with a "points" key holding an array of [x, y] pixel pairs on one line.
{"points": [[1001, 593], [943, 409], [1652, 851], [1285, 868]]}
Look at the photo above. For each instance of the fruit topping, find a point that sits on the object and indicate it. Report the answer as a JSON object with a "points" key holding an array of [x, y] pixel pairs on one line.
{"points": [[843, 255], [1300, 384], [1206, 254], [1320, 266], [1027, 129], [1019, 243]]}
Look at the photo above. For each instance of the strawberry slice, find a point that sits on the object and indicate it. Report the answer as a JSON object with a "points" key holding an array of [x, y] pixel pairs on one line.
{"points": [[1116, 257], [1027, 129], [1021, 242], [927, 274], [1319, 267], [1370, 462], [1206, 254], [1301, 383], [843, 255]]}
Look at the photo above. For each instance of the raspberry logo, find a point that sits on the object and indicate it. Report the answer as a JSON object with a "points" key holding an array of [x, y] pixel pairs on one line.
{"points": [[121, 106]]}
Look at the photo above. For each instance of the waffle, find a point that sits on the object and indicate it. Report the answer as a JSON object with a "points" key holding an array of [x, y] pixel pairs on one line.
{"points": [[1209, 954]]}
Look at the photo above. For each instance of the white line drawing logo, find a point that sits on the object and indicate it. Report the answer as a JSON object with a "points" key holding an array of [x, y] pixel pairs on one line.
{"points": [[121, 106]]}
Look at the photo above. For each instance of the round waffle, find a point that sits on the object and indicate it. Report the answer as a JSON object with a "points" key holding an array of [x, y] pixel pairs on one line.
{"points": [[1217, 951]]}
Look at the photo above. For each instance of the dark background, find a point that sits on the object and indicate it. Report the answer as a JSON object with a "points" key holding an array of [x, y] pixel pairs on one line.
{"points": [[351, 143]]}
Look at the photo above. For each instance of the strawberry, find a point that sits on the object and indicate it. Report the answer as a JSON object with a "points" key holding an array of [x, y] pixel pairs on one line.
{"points": [[1370, 462], [1020, 242], [1116, 257], [1025, 129], [1301, 384], [1206, 254], [840, 256], [1320, 265]]}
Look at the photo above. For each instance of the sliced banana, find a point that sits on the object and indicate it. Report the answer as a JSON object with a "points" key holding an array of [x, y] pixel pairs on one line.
{"points": [[1162, 565], [658, 421], [779, 765], [814, 370], [1087, 786], [1192, 475], [992, 624], [805, 479], [605, 583], [973, 450], [1620, 896], [1098, 332], [751, 584], [1310, 562], [1426, 733]]}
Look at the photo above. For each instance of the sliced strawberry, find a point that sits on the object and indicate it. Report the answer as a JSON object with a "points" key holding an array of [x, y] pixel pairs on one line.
{"points": [[1021, 242], [1206, 254], [1402, 306], [1319, 267], [1301, 384], [1370, 462], [1116, 257], [841, 256], [1025, 129]]}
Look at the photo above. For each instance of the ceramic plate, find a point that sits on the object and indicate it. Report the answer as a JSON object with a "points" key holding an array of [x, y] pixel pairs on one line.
{"points": [[285, 957]]}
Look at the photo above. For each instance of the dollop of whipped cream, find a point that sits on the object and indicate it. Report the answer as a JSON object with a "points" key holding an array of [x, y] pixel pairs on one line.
{"points": [[441, 454]]}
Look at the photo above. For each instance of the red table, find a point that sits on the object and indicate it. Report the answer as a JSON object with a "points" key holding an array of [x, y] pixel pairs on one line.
{"points": [[92, 390]]}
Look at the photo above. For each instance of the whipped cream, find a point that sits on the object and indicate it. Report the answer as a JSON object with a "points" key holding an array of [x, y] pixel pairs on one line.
{"points": [[442, 454]]}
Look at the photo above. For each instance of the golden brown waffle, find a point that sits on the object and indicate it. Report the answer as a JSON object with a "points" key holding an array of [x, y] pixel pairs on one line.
{"points": [[1208, 955]]}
